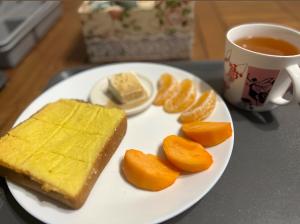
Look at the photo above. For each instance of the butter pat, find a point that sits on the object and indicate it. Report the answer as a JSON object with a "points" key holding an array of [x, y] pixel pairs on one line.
{"points": [[126, 87]]}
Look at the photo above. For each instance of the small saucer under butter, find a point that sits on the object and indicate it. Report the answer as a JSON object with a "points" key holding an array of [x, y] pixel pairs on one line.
{"points": [[102, 94]]}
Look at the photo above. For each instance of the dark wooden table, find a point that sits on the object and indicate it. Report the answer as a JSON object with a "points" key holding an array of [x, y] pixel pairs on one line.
{"points": [[63, 46]]}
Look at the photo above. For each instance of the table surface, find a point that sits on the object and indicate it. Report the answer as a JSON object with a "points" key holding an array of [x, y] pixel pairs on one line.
{"points": [[261, 182], [63, 46]]}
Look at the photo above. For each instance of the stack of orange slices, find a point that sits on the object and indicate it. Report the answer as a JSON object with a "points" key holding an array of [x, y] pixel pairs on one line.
{"points": [[167, 86], [181, 97], [203, 107]]}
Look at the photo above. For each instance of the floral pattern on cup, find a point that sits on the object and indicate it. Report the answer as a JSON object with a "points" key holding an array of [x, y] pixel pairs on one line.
{"points": [[233, 71]]}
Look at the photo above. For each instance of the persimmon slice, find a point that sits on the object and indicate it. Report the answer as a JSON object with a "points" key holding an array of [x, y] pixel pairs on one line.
{"points": [[207, 133], [186, 155], [147, 171]]}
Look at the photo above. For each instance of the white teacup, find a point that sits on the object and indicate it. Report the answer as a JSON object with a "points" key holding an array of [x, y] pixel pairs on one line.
{"points": [[257, 81]]}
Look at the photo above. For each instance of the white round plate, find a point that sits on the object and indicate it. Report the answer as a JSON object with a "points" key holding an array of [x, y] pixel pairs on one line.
{"points": [[98, 94], [113, 200]]}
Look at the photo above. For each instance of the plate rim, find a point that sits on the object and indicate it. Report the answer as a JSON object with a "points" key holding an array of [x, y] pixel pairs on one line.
{"points": [[81, 73]]}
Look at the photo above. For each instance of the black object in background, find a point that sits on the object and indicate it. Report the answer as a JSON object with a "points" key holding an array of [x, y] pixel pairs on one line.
{"points": [[3, 79]]}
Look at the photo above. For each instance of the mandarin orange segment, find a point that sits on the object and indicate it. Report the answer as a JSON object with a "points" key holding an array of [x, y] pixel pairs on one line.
{"points": [[201, 109], [167, 85], [182, 99], [147, 171], [186, 155]]}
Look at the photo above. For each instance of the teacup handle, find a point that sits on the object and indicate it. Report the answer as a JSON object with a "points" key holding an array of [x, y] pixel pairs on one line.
{"points": [[294, 74]]}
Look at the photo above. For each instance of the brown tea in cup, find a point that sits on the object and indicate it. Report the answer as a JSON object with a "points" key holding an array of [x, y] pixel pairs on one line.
{"points": [[268, 45]]}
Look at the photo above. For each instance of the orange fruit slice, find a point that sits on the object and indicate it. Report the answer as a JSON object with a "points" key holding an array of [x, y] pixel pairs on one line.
{"points": [[186, 155], [207, 133], [182, 99], [201, 109], [167, 85], [147, 171]]}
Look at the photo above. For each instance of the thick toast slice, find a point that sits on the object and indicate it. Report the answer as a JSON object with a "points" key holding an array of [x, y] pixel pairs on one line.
{"points": [[61, 150]]}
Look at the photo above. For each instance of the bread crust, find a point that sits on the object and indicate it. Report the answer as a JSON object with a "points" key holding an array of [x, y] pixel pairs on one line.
{"points": [[109, 149], [74, 202]]}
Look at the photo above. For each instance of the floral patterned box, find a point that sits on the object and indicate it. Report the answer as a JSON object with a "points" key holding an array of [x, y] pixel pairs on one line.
{"points": [[137, 30]]}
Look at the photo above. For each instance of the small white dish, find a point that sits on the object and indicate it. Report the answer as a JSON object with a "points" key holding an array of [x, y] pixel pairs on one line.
{"points": [[99, 95]]}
